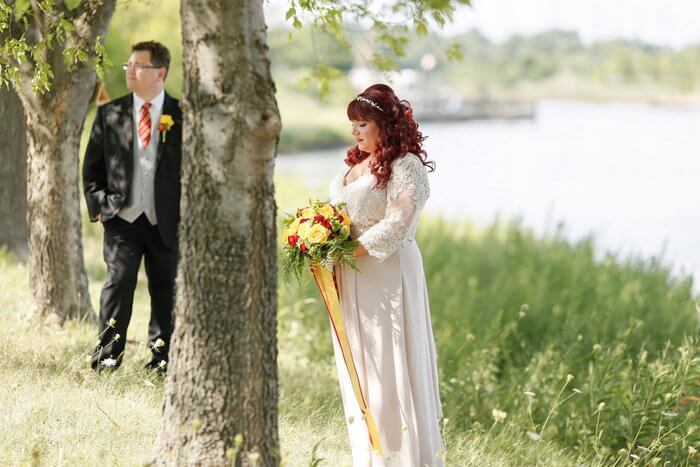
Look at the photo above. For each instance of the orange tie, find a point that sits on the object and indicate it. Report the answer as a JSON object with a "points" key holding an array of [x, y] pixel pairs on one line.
{"points": [[144, 128]]}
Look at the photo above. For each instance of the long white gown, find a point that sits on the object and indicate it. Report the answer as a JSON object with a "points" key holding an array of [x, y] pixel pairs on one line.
{"points": [[387, 319]]}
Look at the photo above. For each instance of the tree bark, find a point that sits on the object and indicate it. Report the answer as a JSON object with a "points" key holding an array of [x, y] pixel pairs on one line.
{"points": [[221, 392], [57, 274], [55, 121], [13, 174]]}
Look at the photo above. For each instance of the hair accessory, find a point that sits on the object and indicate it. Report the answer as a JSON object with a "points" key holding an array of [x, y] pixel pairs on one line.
{"points": [[370, 102]]}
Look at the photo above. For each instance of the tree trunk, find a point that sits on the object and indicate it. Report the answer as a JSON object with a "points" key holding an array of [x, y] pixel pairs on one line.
{"points": [[56, 269], [13, 174], [55, 121], [221, 392]]}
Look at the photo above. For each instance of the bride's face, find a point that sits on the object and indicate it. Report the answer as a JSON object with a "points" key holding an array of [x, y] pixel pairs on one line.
{"points": [[366, 133]]}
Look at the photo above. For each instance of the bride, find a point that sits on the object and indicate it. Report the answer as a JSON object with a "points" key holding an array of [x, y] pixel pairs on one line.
{"points": [[385, 304]]}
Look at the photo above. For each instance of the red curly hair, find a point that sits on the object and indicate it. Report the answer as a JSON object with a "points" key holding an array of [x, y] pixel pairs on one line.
{"points": [[398, 131]]}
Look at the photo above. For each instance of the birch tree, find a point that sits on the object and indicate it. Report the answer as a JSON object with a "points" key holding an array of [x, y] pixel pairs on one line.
{"points": [[49, 52]]}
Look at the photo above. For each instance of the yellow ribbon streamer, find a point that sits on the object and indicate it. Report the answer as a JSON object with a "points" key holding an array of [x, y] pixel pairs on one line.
{"points": [[329, 291]]}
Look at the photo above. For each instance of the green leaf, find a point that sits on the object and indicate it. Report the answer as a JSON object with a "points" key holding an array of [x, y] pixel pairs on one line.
{"points": [[454, 52], [383, 62], [81, 55], [66, 26], [41, 82], [291, 12], [68, 55]]}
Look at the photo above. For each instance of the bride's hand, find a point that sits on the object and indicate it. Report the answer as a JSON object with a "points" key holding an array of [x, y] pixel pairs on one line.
{"points": [[360, 251]]}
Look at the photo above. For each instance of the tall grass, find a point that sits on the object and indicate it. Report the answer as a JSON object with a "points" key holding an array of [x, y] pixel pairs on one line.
{"points": [[514, 315], [547, 356]]}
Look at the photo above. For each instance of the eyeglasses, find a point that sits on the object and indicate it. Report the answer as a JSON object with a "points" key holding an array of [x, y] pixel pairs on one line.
{"points": [[139, 66]]}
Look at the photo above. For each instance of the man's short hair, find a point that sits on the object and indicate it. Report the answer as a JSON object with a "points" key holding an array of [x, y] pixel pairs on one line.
{"points": [[160, 55]]}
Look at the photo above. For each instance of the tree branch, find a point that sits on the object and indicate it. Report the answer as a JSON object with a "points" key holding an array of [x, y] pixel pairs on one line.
{"points": [[91, 18], [39, 23]]}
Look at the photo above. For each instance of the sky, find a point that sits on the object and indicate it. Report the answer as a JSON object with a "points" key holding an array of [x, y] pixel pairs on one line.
{"points": [[674, 23]]}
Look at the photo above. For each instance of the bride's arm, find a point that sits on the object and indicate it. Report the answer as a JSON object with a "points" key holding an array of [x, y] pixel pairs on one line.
{"points": [[407, 191]]}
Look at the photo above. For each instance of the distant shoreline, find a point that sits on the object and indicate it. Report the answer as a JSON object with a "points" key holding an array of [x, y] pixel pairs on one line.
{"points": [[296, 139]]}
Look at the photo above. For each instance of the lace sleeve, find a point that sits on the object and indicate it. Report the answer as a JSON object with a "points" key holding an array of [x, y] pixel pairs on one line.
{"points": [[407, 191]]}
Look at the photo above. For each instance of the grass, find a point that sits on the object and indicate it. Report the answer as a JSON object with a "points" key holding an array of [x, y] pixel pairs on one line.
{"points": [[513, 315], [51, 403], [540, 330]]}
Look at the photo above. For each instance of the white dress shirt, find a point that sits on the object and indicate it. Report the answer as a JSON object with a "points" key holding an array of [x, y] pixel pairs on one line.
{"points": [[142, 198]]}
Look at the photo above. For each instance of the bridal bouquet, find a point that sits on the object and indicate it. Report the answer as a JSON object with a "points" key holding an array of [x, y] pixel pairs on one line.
{"points": [[318, 237], [317, 234]]}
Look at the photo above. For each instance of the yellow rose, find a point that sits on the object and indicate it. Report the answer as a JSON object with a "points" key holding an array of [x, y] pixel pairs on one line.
{"points": [[317, 234], [167, 121], [293, 227], [326, 211], [308, 212], [346, 218], [303, 230]]}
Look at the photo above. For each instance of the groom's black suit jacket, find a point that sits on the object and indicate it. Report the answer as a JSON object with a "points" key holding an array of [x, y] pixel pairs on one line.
{"points": [[109, 165]]}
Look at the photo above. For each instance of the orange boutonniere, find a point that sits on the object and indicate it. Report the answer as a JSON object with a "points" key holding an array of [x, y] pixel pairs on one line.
{"points": [[165, 123]]}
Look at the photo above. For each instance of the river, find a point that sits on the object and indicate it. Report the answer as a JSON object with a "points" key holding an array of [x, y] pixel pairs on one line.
{"points": [[628, 174]]}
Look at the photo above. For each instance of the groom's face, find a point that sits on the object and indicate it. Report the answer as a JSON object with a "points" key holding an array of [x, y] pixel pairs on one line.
{"points": [[141, 77]]}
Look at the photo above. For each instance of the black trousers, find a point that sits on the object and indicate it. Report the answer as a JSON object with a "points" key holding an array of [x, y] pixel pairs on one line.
{"points": [[124, 245]]}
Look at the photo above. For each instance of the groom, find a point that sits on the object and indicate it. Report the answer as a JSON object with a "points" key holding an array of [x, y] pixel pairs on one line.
{"points": [[131, 176]]}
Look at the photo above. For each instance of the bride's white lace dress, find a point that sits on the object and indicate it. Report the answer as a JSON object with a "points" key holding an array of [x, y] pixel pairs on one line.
{"points": [[387, 319]]}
